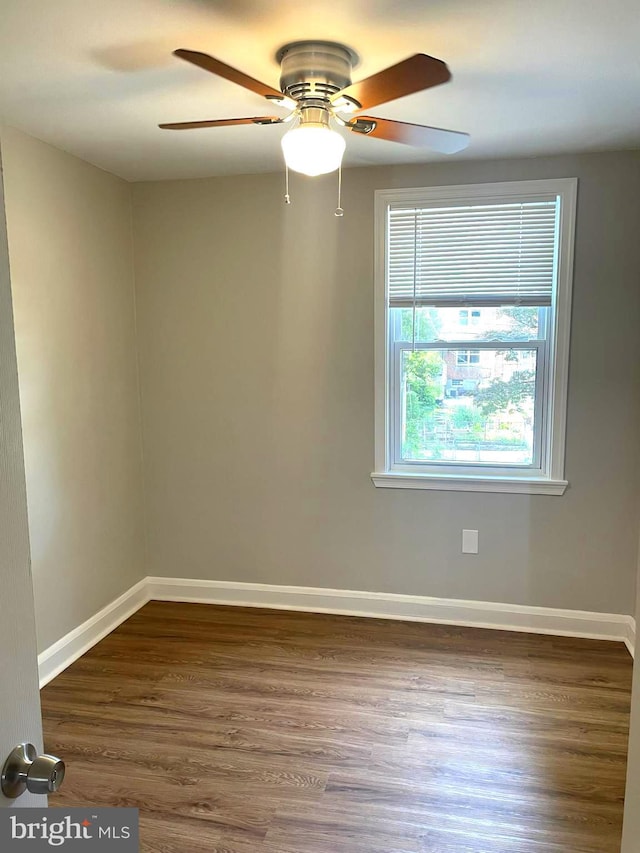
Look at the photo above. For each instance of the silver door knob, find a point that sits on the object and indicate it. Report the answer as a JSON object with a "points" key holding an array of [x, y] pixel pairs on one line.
{"points": [[25, 770]]}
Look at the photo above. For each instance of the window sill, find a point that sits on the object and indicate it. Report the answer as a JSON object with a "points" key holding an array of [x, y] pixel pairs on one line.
{"points": [[466, 483]]}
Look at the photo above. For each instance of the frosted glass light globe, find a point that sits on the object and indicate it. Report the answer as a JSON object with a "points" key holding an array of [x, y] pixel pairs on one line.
{"points": [[313, 149]]}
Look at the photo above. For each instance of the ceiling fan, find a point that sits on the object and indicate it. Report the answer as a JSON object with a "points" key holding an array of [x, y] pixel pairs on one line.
{"points": [[316, 88]]}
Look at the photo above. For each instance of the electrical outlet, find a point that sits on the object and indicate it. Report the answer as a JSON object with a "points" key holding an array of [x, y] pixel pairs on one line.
{"points": [[469, 541]]}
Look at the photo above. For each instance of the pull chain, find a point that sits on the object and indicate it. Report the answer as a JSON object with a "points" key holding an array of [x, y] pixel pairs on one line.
{"points": [[339, 210], [287, 197], [415, 276]]}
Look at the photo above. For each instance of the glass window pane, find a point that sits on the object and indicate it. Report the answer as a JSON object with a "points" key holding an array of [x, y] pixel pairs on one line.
{"points": [[508, 323], [476, 411]]}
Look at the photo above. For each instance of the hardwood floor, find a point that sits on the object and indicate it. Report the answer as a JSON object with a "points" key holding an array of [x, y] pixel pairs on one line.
{"points": [[252, 731]]}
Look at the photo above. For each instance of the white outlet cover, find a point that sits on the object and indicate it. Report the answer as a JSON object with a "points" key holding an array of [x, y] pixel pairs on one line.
{"points": [[469, 541]]}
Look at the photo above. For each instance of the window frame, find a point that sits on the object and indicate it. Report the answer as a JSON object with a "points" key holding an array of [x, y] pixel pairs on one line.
{"points": [[548, 478]]}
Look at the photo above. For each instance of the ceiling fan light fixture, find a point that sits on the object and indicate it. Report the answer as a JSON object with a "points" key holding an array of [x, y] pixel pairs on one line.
{"points": [[313, 149]]}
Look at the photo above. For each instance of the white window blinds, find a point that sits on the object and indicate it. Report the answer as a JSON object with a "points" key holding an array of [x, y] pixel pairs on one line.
{"points": [[480, 254]]}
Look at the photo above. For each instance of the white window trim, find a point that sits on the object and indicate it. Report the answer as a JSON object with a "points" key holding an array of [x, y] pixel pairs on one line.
{"points": [[551, 481]]}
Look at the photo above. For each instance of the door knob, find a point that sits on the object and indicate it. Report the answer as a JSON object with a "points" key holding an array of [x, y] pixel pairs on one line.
{"points": [[25, 770]]}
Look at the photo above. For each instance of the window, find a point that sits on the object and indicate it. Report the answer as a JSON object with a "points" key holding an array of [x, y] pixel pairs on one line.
{"points": [[472, 336], [465, 314], [468, 356]]}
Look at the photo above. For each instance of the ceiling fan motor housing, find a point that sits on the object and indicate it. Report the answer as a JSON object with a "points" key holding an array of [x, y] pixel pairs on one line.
{"points": [[315, 69]]}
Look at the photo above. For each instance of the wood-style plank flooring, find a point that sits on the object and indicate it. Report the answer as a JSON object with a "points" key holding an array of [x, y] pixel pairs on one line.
{"points": [[252, 731]]}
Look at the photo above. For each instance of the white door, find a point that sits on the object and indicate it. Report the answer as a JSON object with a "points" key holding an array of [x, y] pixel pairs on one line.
{"points": [[19, 699]]}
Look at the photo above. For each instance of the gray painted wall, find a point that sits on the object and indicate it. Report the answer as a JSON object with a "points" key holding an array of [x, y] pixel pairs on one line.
{"points": [[71, 256], [256, 353]]}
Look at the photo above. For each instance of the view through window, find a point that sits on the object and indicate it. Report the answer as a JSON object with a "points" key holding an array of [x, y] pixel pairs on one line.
{"points": [[462, 404]]}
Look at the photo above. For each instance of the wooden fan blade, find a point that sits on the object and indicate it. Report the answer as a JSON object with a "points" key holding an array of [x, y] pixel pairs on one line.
{"points": [[444, 141], [220, 122], [215, 66], [411, 75]]}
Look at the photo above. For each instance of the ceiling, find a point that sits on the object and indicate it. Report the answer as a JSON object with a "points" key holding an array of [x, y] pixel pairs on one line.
{"points": [[95, 77]]}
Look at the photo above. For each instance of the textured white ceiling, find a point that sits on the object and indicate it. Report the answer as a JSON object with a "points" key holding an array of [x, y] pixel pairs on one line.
{"points": [[95, 77]]}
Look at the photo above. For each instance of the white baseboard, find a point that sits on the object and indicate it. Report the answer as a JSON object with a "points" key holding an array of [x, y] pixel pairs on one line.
{"points": [[386, 605], [60, 655], [381, 605], [630, 639]]}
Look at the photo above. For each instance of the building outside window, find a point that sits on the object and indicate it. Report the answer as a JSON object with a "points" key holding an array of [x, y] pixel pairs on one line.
{"points": [[472, 337]]}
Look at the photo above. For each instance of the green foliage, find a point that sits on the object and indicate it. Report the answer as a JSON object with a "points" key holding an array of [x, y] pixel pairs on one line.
{"points": [[422, 370], [468, 418], [427, 324], [501, 395], [524, 325]]}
